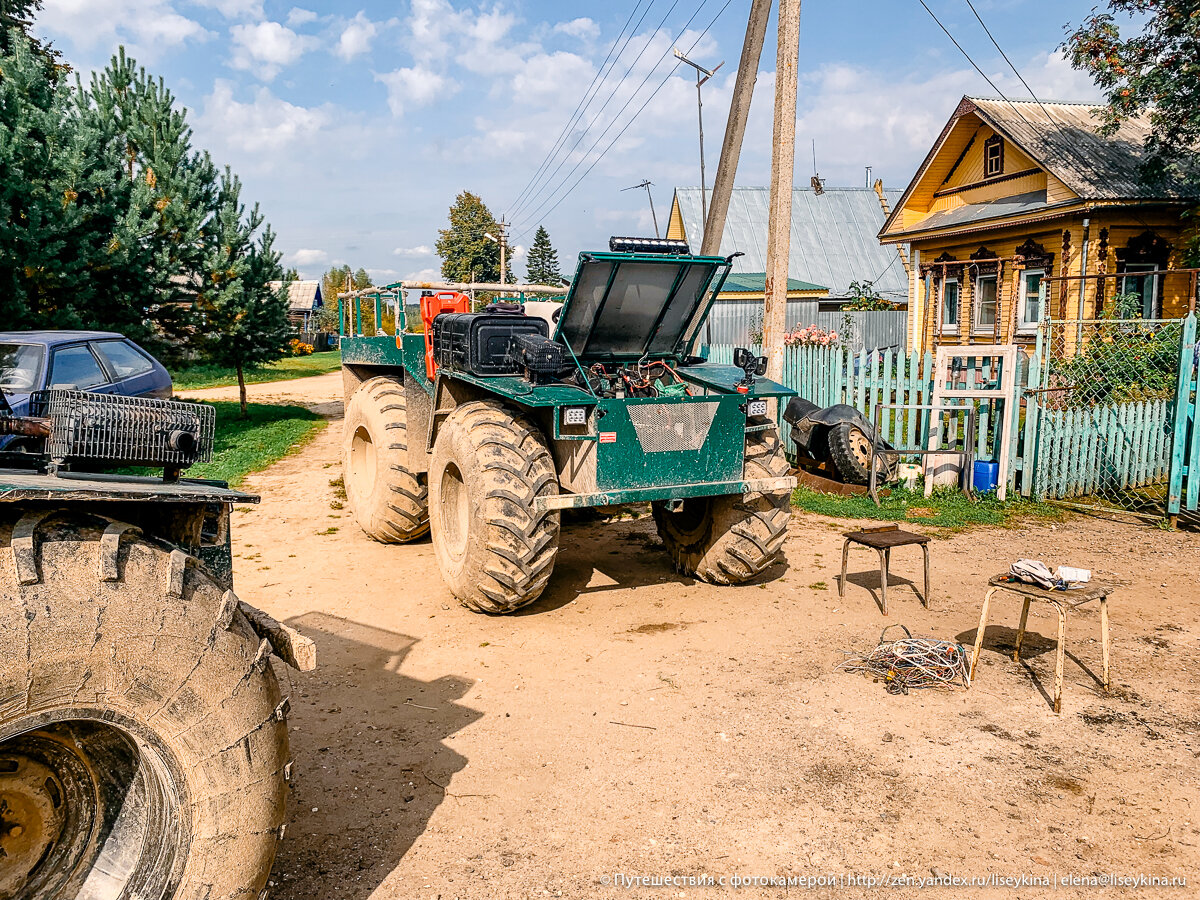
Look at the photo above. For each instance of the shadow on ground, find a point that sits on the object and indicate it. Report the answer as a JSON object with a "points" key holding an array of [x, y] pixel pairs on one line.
{"points": [[352, 816]]}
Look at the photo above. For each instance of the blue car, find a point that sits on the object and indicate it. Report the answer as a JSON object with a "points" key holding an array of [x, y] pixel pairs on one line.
{"points": [[100, 361]]}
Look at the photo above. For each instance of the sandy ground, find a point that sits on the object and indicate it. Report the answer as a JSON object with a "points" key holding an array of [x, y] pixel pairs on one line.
{"points": [[636, 723]]}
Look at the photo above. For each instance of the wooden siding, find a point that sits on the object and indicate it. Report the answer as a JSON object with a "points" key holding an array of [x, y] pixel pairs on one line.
{"points": [[675, 231]]}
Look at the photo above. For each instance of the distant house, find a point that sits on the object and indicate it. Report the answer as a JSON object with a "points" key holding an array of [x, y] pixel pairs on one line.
{"points": [[304, 301], [1012, 193], [753, 286], [833, 240]]}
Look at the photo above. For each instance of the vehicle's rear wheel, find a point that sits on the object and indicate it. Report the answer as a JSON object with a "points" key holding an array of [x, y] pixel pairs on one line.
{"points": [[490, 464], [143, 746], [731, 539], [390, 503]]}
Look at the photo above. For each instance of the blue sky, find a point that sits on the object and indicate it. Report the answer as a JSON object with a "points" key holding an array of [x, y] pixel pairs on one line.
{"points": [[354, 125]]}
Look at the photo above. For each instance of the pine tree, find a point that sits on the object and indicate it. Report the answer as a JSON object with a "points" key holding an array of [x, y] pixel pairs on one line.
{"points": [[466, 254], [245, 321], [542, 263]]}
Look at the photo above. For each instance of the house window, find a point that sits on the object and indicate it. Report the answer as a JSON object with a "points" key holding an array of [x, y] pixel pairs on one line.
{"points": [[993, 156], [950, 306], [1141, 292], [1031, 283], [985, 303]]}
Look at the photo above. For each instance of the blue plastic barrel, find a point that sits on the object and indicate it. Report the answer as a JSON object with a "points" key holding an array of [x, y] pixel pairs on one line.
{"points": [[987, 475]]}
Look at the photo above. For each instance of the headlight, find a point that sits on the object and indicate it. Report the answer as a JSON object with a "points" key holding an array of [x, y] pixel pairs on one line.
{"points": [[575, 415], [756, 408]]}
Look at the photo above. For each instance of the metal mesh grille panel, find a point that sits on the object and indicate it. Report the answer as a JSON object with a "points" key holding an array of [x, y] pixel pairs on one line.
{"points": [[663, 427], [132, 430]]}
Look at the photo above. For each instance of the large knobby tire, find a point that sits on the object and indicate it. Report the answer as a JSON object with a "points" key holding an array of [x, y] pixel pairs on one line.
{"points": [[731, 539], [494, 550], [390, 503], [143, 747], [850, 451]]}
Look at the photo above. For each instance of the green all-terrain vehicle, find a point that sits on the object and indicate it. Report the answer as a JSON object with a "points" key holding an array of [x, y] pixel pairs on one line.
{"points": [[485, 427], [143, 734]]}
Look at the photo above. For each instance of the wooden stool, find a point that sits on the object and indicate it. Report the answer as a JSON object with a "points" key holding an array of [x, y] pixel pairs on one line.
{"points": [[882, 540], [1063, 601]]}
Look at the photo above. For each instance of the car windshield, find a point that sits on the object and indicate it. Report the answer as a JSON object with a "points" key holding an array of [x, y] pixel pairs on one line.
{"points": [[19, 366]]}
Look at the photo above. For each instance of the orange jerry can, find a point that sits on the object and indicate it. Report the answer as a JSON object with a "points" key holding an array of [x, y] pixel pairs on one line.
{"points": [[432, 306]]}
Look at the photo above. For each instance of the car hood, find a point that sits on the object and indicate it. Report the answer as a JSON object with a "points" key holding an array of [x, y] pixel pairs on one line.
{"points": [[623, 307]]}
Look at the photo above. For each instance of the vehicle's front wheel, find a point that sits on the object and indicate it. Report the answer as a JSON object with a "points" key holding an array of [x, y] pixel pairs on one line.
{"points": [[731, 539], [143, 747], [494, 549]]}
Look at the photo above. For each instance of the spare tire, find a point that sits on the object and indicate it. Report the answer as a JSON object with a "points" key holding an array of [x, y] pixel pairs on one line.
{"points": [[143, 746], [850, 450]]}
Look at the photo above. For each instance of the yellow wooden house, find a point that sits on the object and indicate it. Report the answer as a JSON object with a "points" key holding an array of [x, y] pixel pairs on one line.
{"points": [[1016, 192]]}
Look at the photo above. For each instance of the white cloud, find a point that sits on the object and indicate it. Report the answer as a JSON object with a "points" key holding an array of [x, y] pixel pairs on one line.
{"points": [[423, 275], [265, 125], [235, 9], [305, 257], [421, 250], [357, 37], [267, 47], [582, 27], [147, 26], [297, 16], [415, 86]]}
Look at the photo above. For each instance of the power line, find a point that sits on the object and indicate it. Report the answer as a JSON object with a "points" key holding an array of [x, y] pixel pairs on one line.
{"points": [[1006, 59], [976, 67], [636, 114], [588, 94], [611, 97]]}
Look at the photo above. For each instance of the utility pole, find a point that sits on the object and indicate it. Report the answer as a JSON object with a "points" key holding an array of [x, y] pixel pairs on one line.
{"points": [[783, 161], [707, 73], [502, 240], [647, 184], [735, 127]]}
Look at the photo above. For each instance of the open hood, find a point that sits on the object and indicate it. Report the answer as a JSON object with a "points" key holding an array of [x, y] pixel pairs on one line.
{"points": [[625, 306]]}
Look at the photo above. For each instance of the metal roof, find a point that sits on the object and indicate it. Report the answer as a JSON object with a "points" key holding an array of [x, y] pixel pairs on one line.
{"points": [[971, 213], [1062, 138], [833, 239], [303, 296], [754, 282]]}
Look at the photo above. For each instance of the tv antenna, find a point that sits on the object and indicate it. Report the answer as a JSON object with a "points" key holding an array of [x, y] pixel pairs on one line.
{"points": [[647, 184]]}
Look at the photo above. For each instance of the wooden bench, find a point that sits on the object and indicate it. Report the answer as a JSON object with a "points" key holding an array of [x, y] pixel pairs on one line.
{"points": [[883, 540]]}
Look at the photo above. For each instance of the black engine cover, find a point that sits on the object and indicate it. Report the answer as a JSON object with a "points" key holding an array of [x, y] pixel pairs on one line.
{"points": [[481, 343]]}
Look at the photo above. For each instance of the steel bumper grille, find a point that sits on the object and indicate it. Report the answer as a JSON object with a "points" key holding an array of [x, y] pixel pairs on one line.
{"points": [[129, 430], [665, 427]]}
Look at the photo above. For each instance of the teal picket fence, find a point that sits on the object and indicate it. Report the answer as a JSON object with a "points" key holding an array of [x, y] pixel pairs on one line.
{"points": [[1183, 491]]}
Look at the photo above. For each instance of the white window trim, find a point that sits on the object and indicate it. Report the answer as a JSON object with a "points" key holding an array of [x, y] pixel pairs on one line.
{"points": [[944, 326], [977, 305], [1023, 326]]}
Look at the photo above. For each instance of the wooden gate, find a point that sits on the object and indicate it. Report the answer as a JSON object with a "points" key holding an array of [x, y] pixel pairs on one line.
{"points": [[1183, 493]]}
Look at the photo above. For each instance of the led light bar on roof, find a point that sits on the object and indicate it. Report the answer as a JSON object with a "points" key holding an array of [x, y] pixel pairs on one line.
{"points": [[648, 245]]}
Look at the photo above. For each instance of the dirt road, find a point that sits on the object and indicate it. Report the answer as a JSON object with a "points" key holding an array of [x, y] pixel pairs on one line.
{"points": [[635, 723]]}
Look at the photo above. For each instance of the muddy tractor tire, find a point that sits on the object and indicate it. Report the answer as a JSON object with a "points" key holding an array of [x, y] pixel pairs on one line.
{"points": [[494, 550], [850, 451], [390, 503], [731, 539], [143, 747]]}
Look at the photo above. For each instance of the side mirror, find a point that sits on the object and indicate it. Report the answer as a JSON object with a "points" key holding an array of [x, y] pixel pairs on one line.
{"points": [[742, 358]]}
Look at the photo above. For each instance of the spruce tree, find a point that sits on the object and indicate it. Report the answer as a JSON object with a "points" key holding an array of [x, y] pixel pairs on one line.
{"points": [[542, 263], [245, 321], [466, 254]]}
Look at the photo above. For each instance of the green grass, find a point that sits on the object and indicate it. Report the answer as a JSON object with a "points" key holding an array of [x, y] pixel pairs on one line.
{"points": [[199, 377], [947, 508], [269, 433]]}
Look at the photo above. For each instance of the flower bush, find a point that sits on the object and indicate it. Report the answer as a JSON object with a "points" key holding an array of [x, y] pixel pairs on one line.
{"points": [[810, 336], [297, 347]]}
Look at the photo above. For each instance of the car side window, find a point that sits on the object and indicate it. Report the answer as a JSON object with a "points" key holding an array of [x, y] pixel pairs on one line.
{"points": [[75, 367], [124, 359]]}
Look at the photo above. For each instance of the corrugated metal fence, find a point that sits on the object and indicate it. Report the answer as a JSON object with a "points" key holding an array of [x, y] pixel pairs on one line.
{"points": [[733, 322]]}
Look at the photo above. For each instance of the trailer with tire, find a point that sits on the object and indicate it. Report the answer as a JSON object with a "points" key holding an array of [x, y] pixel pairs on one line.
{"points": [[484, 428], [143, 734]]}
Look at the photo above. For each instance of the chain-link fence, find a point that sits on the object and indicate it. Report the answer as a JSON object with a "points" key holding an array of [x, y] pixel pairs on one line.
{"points": [[1107, 390]]}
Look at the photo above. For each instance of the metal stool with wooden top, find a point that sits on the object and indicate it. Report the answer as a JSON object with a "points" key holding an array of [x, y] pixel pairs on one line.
{"points": [[883, 539], [1063, 602]]}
